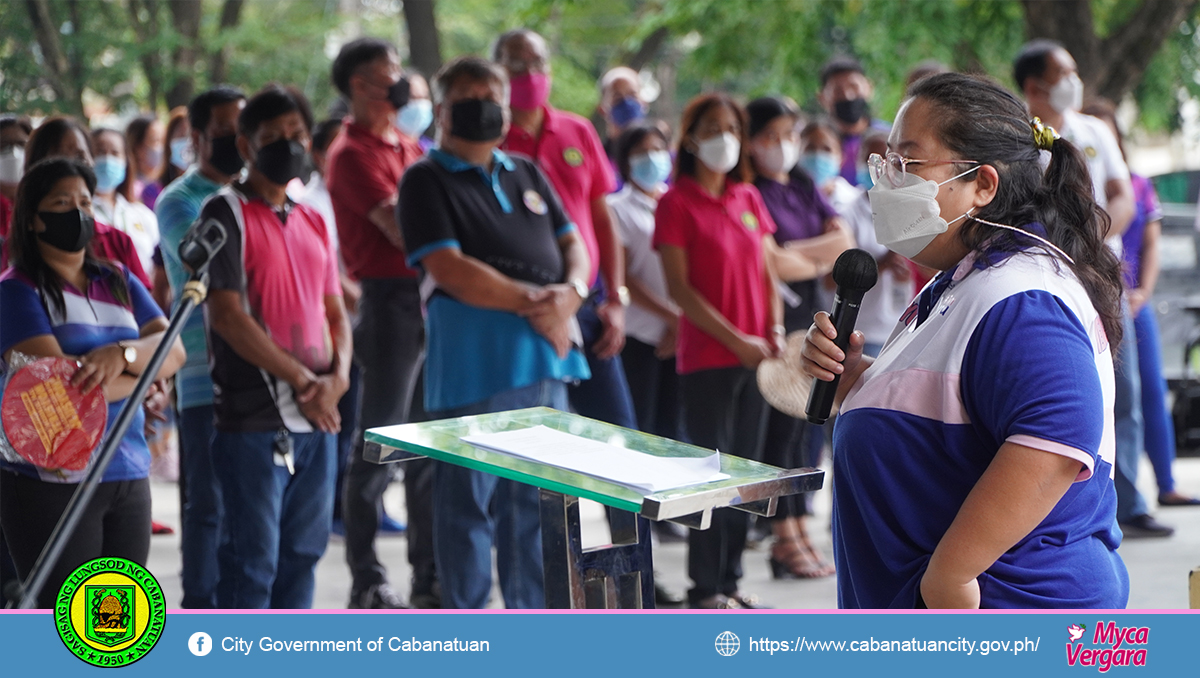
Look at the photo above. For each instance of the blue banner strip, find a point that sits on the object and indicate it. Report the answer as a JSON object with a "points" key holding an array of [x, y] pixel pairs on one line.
{"points": [[624, 645]]}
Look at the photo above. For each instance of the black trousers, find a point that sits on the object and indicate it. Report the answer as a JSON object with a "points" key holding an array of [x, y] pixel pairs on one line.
{"points": [[791, 442], [115, 524], [722, 410], [389, 346], [654, 386]]}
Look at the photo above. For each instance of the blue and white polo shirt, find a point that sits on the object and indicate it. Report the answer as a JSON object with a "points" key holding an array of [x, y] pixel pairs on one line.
{"points": [[1009, 349]]}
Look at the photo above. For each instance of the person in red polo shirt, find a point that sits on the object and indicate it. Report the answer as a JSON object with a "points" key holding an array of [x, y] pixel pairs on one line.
{"points": [[363, 170], [568, 150], [714, 234]]}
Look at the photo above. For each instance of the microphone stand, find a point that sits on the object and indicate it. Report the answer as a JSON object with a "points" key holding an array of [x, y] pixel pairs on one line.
{"points": [[197, 248]]}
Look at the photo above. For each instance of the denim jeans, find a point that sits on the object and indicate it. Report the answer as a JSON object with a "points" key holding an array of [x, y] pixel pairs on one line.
{"points": [[201, 523], [1128, 425], [606, 395], [276, 524], [1160, 430], [474, 509]]}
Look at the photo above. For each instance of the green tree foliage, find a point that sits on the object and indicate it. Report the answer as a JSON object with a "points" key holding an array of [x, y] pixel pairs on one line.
{"points": [[121, 50]]}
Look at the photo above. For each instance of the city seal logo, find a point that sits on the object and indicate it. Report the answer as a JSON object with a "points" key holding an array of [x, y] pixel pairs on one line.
{"points": [[573, 156], [110, 612], [750, 221]]}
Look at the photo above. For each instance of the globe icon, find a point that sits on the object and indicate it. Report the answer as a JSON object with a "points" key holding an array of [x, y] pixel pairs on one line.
{"points": [[728, 644]]}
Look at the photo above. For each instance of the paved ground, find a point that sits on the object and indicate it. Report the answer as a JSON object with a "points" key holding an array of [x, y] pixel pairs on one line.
{"points": [[1158, 568]]}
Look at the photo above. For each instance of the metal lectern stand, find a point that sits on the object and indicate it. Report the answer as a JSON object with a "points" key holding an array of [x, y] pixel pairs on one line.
{"points": [[619, 575]]}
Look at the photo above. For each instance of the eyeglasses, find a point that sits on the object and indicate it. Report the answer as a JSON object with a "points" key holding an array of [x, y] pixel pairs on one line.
{"points": [[894, 166]]}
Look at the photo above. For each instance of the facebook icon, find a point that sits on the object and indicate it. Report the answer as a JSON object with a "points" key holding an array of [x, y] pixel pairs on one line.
{"points": [[200, 643]]}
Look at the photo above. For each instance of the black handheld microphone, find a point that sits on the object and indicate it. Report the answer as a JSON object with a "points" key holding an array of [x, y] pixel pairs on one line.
{"points": [[855, 272]]}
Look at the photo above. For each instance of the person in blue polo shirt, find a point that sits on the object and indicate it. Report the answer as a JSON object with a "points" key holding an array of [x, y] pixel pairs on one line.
{"points": [[505, 272], [973, 459]]}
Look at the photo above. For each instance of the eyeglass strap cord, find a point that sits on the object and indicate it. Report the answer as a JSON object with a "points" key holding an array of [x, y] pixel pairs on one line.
{"points": [[1035, 236]]}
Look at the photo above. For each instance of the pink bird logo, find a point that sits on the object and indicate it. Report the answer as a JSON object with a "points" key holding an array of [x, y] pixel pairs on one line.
{"points": [[1076, 631]]}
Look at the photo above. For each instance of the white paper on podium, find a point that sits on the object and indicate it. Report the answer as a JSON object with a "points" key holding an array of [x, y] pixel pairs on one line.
{"points": [[642, 472]]}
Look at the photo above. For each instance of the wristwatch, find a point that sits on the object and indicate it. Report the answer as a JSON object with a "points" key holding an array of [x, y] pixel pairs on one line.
{"points": [[623, 296], [129, 353], [581, 288]]}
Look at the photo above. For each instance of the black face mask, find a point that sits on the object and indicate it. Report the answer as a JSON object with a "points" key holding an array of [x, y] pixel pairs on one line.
{"points": [[225, 156], [68, 231], [851, 110], [399, 93], [281, 161], [476, 120]]}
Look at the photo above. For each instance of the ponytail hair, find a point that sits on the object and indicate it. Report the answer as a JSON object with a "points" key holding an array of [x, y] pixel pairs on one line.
{"points": [[979, 119]]}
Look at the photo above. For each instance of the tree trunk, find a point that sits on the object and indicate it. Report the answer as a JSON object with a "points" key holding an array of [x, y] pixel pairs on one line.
{"points": [[231, 14], [424, 47], [151, 59], [54, 60], [1110, 67], [185, 16], [649, 49]]}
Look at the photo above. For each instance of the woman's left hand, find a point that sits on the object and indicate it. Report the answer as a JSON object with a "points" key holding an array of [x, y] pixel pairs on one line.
{"points": [[99, 367], [944, 595]]}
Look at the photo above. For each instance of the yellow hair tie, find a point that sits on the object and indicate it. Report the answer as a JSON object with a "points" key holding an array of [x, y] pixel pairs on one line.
{"points": [[1043, 135]]}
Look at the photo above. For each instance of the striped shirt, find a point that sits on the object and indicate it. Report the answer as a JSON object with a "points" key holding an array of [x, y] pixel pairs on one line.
{"points": [[93, 318]]}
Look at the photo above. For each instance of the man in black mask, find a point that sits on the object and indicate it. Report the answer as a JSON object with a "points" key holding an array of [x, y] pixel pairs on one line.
{"points": [[213, 119], [280, 362], [845, 95], [508, 272]]}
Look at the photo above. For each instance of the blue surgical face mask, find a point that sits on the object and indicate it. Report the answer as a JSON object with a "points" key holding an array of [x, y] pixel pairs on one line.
{"points": [[821, 166], [181, 152], [627, 110], [415, 117], [110, 172], [650, 170], [863, 177]]}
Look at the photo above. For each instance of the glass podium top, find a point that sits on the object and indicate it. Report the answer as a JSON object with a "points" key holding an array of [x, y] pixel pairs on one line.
{"points": [[752, 486]]}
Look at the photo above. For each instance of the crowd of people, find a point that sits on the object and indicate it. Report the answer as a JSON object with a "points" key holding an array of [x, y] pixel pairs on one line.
{"points": [[459, 246]]}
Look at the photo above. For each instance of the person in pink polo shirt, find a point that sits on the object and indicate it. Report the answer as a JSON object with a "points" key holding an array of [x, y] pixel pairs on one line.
{"points": [[567, 149], [715, 237]]}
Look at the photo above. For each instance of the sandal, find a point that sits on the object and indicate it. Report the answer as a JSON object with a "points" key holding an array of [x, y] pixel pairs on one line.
{"points": [[792, 555]]}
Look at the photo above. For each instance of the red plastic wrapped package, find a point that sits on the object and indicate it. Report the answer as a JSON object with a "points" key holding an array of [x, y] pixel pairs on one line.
{"points": [[49, 422]]}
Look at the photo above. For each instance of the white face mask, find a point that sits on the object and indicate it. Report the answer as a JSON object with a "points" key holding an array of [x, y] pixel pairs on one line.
{"points": [[12, 165], [777, 158], [908, 218], [719, 153], [1067, 94]]}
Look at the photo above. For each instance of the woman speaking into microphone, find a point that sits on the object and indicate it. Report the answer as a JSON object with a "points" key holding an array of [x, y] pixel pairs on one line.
{"points": [[973, 457]]}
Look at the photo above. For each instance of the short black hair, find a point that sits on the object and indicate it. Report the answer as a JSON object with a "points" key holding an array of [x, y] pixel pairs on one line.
{"points": [[1031, 60], [269, 103], [200, 110], [324, 133], [763, 110], [506, 36], [354, 54], [22, 121], [629, 140], [473, 68], [838, 65]]}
